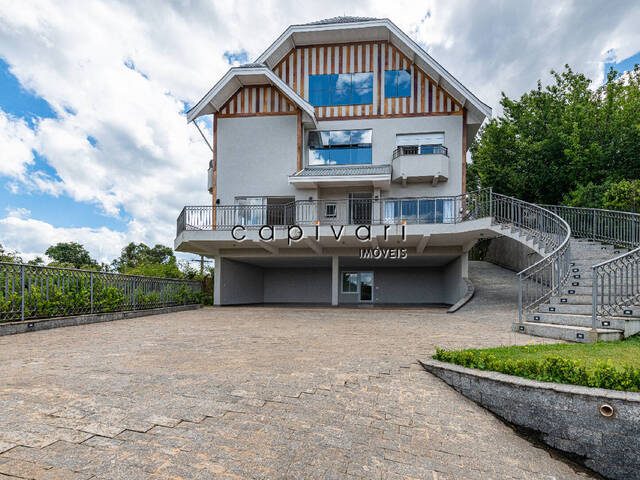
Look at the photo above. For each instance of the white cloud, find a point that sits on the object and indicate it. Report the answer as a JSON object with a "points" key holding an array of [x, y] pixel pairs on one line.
{"points": [[32, 237], [16, 143], [149, 163]]}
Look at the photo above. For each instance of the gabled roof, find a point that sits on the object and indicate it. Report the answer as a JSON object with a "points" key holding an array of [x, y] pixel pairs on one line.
{"points": [[362, 29], [247, 75], [331, 31], [344, 19]]}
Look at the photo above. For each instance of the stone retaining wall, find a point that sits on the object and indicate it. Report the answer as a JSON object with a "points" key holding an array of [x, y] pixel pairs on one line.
{"points": [[11, 328], [509, 253], [567, 417]]}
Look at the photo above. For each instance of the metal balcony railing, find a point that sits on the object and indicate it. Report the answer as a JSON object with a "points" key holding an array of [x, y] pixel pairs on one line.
{"points": [[616, 282], [349, 211], [421, 150]]}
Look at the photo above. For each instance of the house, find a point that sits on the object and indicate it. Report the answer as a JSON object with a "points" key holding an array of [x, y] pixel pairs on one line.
{"points": [[338, 172]]}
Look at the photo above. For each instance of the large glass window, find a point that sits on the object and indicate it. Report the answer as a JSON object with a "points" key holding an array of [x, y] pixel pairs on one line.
{"points": [[419, 210], [397, 83], [339, 147], [341, 89]]}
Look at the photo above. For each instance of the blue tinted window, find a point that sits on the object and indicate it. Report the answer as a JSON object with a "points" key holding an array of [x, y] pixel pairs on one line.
{"points": [[397, 83], [390, 84], [340, 147], [341, 96], [341, 89]]}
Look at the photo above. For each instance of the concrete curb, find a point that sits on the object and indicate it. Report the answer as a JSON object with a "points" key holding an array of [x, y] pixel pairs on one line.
{"points": [[471, 290], [570, 418], [12, 328]]}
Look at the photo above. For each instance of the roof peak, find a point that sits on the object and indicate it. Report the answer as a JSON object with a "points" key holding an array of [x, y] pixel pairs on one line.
{"points": [[342, 19]]}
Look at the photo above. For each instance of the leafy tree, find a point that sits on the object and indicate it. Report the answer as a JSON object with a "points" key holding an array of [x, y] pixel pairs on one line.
{"points": [[623, 195], [36, 261], [9, 256], [71, 254], [565, 137], [589, 195], [139, 259]]}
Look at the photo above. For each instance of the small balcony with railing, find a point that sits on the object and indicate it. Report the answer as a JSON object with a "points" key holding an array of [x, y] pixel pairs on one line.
{"points": [[423, 163]]}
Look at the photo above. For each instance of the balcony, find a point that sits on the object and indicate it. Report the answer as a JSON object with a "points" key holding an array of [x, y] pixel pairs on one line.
{"points": [[426, 163], [377, 176], [354, 211]]}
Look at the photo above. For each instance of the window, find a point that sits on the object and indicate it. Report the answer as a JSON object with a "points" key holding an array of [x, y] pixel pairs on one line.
{"points": [[339, 147], [250, 211], [349, 282], [341, 89], [419, 210], [397, 83], [330, 210], [421, 143]]}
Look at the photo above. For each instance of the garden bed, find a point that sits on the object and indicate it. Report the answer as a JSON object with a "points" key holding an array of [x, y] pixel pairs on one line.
{"points": [[610, 365]]}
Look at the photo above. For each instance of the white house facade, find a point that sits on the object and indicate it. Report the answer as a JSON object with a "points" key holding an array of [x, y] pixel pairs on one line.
{"points": [[338, 173]]}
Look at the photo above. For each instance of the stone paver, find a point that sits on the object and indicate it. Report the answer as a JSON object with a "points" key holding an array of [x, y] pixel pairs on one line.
{"points": [[269, 393]]}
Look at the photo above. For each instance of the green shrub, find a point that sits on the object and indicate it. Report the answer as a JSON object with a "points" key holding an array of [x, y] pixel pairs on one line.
{"points": [[551, 368]]}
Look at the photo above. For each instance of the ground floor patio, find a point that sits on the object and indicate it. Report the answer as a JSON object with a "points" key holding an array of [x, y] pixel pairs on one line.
{"points": [[262, 392]]}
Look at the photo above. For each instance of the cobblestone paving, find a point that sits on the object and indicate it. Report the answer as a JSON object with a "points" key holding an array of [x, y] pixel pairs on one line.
{"points": [[267, 393]]}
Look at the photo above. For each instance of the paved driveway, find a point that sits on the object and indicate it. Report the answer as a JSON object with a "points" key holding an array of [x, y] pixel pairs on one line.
{"points": [[261, 393]]}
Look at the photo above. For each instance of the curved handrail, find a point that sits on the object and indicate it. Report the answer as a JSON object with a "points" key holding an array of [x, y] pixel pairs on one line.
{"points": [[541, 280], [616, 282]]}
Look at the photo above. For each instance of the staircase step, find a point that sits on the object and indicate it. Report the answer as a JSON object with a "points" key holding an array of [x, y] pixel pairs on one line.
{"points": [[630, 326], [628, 312], [584, 287], [567, 332], [575, 299]]}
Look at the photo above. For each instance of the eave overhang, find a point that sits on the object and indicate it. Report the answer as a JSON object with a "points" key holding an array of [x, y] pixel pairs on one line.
{"points": [[238, 77]]}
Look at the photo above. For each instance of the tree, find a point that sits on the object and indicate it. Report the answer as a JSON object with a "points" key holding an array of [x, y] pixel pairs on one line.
{"points": [[9, 256], [139, 259], [565, 141], [623, 195], [72, 255]]}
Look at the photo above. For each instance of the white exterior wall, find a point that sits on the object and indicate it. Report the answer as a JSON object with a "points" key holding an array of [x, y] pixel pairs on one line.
{"points": [[255, 156]]}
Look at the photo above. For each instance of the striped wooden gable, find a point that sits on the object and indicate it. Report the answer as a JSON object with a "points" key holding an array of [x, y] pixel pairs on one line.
{"points": [[427, 98], [257, 100]]}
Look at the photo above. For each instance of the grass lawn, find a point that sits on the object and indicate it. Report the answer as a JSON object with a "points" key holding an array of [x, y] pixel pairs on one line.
{"points": [[612, 365], [621, 353]]}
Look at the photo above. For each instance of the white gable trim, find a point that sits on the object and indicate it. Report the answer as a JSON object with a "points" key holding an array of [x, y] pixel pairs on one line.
{"points": [[214, 100]]}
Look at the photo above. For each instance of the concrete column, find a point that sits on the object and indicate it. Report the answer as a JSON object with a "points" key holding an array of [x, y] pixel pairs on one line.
{"points": [[217, 281], [464, 260], [335, 279]]}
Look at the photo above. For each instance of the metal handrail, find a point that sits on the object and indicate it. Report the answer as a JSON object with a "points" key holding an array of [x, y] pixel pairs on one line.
{"points": [[544, 278], [616, 282], [343, 211]]}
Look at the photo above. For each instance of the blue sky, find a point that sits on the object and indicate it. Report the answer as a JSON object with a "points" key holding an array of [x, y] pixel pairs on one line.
{"points": [[60, 211], [94, 145]]}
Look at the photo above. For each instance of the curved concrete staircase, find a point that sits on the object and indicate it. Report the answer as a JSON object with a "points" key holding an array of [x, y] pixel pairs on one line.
{"points": [[568, 314]]}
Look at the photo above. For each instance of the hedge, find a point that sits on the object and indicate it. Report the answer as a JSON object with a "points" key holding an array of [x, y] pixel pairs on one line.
{"points": [[553, 368]]}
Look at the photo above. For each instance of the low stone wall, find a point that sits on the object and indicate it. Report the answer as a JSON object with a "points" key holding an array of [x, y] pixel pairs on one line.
{"points": [[11, 328], [600, 428], [509, 253]]}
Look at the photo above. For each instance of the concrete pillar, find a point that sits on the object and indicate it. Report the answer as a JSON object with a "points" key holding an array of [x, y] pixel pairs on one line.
{"points": [[335, 279], [464, 265], [217, 281]]}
